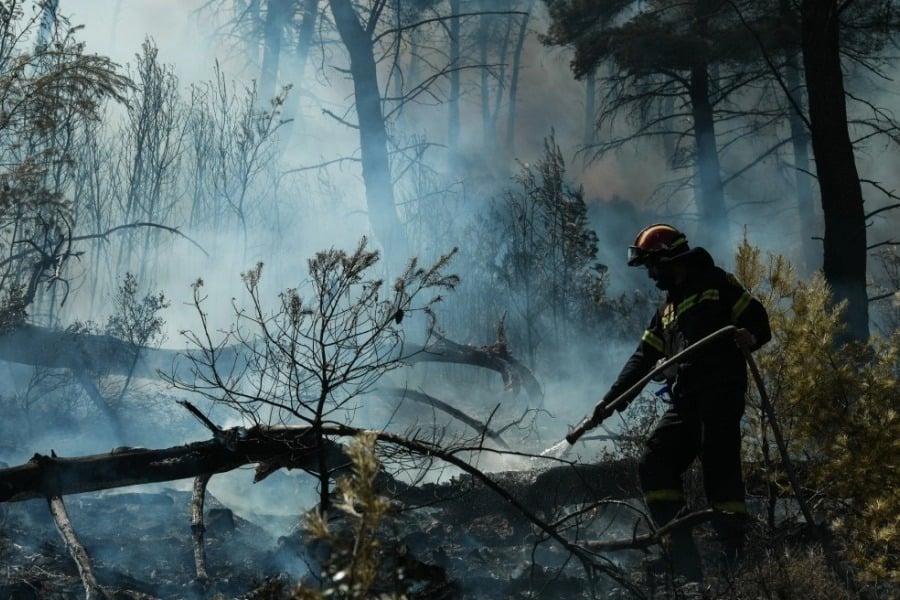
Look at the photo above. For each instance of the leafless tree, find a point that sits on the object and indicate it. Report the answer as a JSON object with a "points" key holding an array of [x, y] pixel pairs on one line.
{"points": [[311, 358], [233, 146], [149, 159], [378, 36]]}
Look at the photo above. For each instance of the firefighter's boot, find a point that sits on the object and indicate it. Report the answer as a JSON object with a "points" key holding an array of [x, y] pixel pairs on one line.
{"points": [[731, 530], [679, 544]]}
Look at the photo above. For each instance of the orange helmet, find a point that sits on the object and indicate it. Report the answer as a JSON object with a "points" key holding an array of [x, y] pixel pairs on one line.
{"points": [[656, 242]]}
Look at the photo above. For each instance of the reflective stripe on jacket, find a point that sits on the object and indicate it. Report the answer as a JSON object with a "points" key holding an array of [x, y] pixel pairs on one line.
{"points": [[709, 300]]}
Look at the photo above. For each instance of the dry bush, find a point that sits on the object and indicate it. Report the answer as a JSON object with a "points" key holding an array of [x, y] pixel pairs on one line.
{"points": [[789, 573], [355, 553], [837, 405]]}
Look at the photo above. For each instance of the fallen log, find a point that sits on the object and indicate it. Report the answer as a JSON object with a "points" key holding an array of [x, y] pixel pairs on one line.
{"points": [[47, 476], [85, 353], [106, 355], [495, 357], [543, 489], [654, 537]]}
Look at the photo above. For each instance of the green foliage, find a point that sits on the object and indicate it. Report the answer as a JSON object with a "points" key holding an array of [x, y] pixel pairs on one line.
{"points": [[355, 553], [885, 307], [665, 36], [837, 405], [137, 321], [360, 560], [47, 91], [543, 254], [51, 82]]}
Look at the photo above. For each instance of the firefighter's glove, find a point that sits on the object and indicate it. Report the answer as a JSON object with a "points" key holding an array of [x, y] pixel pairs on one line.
{"points": [[744, 340], [667, 374], [601, 412]]}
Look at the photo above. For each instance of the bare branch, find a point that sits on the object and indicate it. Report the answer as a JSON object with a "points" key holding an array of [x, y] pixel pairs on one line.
{"points": [[105, 234]]}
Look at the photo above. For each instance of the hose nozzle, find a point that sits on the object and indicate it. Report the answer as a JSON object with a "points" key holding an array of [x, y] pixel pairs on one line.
{"points": [[579, 431]]}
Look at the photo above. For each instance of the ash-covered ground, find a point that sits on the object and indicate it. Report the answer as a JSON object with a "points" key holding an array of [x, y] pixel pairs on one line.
{"points": [[140, 546], [139, 543]]}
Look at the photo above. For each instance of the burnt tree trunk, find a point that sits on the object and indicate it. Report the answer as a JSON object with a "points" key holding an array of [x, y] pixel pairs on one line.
{"points": [[844, 261], [277, 14], [198, 529], [376, 169], [711, 202], [454, 93], [812, 254], [542, 489], [297, 66], [512, 116]]}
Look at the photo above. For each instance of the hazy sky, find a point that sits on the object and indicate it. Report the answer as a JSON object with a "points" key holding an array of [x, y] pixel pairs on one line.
{"points": [[116, 28]]}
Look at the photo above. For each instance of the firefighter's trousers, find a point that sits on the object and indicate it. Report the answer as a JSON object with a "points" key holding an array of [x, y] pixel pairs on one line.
{"points": [[704, 425]]}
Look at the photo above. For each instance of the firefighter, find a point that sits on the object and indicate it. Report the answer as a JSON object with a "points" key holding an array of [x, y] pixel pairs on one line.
{"points": [[706, 391]]}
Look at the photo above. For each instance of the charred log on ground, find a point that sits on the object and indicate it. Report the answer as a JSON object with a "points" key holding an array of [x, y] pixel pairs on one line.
{"points": [[47, 476]]}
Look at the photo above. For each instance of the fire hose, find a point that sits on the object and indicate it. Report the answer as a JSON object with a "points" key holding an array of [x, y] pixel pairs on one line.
{"points": [[765, 404], [623, 398], [589, 423]]}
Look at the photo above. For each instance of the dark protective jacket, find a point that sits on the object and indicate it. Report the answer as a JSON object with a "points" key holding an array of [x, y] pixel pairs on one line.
{"points": [[709, 300]]}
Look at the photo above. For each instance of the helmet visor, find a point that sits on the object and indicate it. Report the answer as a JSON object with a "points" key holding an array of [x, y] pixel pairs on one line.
{"points": [[637, 256]]}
